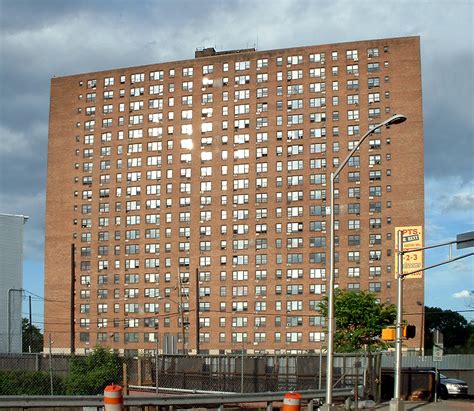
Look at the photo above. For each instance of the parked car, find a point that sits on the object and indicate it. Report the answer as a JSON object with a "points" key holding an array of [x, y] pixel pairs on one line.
{"points": [[451, 387]]}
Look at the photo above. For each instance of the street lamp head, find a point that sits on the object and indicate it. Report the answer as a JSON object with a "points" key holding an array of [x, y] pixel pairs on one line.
{"points": [[395, 119]]}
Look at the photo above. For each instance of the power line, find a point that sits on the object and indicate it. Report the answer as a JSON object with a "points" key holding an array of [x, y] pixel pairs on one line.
{"points": [[47, 299], [439, 313], [36, 314]]}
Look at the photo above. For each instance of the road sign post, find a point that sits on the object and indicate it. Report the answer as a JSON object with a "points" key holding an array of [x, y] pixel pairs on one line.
{"points": [[437, 356], [438, 352]]}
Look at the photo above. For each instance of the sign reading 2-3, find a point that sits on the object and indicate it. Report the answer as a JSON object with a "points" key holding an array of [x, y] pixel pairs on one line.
{"points": [[410, 257]]}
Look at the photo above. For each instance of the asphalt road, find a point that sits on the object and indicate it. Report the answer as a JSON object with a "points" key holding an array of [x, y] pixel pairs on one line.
{"points": [[428, 406]]}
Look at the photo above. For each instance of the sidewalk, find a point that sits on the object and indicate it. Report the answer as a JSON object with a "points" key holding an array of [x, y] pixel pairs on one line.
{"points": [[428, 406]]}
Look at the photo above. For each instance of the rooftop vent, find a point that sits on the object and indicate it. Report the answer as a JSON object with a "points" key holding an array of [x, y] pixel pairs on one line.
{"points": [[211, 51]]}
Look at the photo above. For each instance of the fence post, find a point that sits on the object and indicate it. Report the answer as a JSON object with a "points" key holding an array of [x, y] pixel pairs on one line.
{"points": [[242, 372], [51, 365], [356, 385], [139, 370], [256, 376], [379, 377], [370, 375], [157, 372], [125, 377]]}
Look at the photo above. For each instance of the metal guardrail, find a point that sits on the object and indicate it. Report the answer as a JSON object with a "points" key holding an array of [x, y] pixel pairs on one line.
{"points": [[47, 401], [152, 389], [68, 401]]}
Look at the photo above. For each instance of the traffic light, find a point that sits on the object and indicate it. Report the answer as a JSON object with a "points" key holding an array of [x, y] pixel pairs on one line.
{"points": [[409, 331], [388, 334]]}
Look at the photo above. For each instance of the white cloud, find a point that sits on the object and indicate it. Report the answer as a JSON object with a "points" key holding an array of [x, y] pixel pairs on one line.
{"points": [[12, 141], [450, 195], [463, 200], [19, 143], [462, 294]]}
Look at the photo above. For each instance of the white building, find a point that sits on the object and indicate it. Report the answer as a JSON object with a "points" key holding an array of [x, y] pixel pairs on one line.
{"points": [[11, 281]]}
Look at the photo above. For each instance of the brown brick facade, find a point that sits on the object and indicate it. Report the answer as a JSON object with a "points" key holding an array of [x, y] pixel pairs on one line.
{"points": [[240, 197]]}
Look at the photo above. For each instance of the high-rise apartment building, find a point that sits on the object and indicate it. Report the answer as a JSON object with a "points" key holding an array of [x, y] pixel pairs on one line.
{"points": [[195, 195]]}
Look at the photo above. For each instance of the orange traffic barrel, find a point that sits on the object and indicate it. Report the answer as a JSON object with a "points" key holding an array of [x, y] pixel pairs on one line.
{"points": [[291, 401], [113, 398]]}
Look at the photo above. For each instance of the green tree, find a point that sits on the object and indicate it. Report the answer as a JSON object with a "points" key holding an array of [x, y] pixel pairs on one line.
{"points": [[89, 375], [35, 339], [455, 328], [359, 320]]}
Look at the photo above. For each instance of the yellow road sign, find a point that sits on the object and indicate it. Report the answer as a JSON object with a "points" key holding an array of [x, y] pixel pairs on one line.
{"points": [[412, 239]]}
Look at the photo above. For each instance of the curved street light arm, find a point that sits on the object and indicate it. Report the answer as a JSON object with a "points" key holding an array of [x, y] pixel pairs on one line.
{"points": [[395, 119]]}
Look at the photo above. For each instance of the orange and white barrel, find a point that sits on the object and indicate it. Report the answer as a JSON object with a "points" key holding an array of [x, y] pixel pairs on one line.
{"points": [[291, 401], [113, 398]]}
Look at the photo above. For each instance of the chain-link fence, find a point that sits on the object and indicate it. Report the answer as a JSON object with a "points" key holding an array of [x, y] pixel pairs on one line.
{"points": [[45, 374], [33, 374], [59, 374], [19, 336], [249, 373]]}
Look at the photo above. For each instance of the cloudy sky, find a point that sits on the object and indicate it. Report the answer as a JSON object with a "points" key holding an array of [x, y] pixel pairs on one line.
{"points": [[40, 39]]}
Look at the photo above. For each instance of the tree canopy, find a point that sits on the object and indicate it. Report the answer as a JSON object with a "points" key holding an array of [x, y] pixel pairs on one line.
{"points": [[456, 330], [359, 320], [35, 339]]}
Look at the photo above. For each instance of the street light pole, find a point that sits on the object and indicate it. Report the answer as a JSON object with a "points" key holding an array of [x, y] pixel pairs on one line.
{"points": [[331, 321], [395, 119], [157, 371]]}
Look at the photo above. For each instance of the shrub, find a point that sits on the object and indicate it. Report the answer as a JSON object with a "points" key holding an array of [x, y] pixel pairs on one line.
{"points": [[29, 383], [89, 375]]}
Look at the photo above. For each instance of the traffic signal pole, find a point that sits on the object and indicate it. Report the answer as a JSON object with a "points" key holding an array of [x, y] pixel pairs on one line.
{"points": [[396, 404], [464, 240]]}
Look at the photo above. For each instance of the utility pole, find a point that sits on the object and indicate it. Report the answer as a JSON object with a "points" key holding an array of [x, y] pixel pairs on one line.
{"points": [[181, 312], [30, 326], [198, 343], [72, 299]]}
